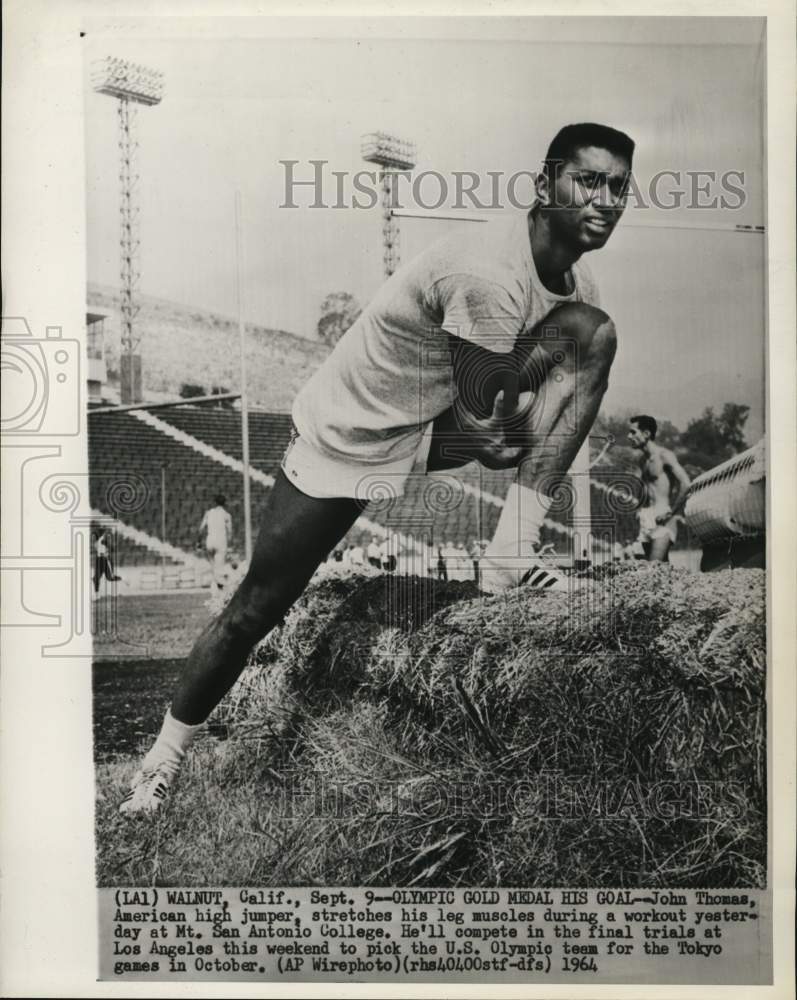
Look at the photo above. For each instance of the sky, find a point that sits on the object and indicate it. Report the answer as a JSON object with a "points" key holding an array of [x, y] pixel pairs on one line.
{"points": [[689, 305]]}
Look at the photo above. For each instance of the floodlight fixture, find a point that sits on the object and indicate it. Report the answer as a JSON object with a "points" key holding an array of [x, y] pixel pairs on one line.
{"points": [[127, 80], [389, 151], [393, 155]]}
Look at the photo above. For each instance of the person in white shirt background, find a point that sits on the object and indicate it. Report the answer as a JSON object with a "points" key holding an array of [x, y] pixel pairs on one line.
{"points": [[217, 527]]}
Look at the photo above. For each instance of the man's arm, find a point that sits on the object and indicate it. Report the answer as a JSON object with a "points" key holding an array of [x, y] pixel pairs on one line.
{"points": [[677, 473], [482, 321], [474, 428]]}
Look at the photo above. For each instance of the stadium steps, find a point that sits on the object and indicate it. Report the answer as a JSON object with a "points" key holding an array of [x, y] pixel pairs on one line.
{"points": [[135, 554], [135, 539], [125, 447], [229, 432], [269, 433], [200, 450], [202, 447], [136, 443]]}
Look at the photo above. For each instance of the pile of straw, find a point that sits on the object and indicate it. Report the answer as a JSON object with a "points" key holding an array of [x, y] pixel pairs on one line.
{"points": [[419, 733]]}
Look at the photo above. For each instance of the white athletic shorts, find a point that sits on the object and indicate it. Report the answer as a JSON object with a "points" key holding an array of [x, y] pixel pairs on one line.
{"points": [[318, 475], [649, 529]]}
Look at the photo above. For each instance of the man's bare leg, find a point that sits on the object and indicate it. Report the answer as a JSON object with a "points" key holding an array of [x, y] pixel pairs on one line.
{"points": [[660, 549], [565, 361], [296, 534], [574, 356]]}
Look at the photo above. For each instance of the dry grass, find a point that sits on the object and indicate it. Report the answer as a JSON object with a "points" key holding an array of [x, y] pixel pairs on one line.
{"points": [[399, 732]]}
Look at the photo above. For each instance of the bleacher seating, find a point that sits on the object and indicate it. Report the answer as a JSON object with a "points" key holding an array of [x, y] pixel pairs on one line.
{"points": [[125, 551], [269, 433], [120, 444]]}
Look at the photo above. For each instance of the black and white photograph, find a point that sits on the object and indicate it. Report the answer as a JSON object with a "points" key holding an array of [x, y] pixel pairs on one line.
{"points": [[424, 545]]}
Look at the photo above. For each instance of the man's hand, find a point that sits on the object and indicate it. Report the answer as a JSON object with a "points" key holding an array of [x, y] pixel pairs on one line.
{"points": [[485, 440]]}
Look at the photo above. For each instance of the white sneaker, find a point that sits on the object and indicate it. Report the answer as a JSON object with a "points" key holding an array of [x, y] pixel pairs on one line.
{"points": [[148, 790], [501, 573]]}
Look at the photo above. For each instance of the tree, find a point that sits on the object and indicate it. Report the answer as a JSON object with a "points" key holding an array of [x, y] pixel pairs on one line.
{"points": [[732, 420], [189, 390], [338, 311], [714, 438], [707, 441]]}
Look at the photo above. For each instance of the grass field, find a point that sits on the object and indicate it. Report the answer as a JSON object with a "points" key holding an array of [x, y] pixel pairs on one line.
{"points": [[135, 668], [149, 626], [409, 733]]}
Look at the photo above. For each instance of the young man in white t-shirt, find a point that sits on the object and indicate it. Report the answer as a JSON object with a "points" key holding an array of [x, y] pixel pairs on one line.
{"points": [[489, 346], [217, 528]]}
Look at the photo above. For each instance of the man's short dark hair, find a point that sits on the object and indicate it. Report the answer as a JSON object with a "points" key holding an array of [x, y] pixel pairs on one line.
{"points": [[220, 499], [574, 137], [646, 423]]}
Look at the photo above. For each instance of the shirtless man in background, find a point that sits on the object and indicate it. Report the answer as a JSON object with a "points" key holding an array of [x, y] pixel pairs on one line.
{"points": [[660, 471]]}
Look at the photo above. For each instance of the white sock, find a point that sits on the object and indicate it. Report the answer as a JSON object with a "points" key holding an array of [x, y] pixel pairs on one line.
{"points": [[169, 748], [518, 531]]}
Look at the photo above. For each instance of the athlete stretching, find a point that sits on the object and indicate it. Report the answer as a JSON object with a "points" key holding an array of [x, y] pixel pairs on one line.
{"points": [[659, 470], [431, 376]]}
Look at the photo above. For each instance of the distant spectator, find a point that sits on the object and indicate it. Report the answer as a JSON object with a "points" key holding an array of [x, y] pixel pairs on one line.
{"points": [[103, 567], [396, 552], [374, 553], [476, 551], [460, 562], [442, 570], [450, 556], [430, 560], [389, 550], [584, 562], [217, 526], [356, 556]]}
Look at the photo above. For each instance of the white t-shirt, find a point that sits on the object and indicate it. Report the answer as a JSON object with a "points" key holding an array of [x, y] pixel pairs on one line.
{"points": [[218, 523], [391, 373]]}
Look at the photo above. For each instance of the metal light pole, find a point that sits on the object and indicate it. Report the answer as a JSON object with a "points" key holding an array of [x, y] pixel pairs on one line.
{"points": [[163, 514], [244, 398], [392, 155], [131, 85]]}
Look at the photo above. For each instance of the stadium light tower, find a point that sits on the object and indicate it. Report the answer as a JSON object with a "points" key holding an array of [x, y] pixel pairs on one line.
{"points": [[392, 155], [131, 84]]}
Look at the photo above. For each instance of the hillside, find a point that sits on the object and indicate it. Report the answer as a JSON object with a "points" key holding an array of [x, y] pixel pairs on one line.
{"points": [[180, 344]]}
